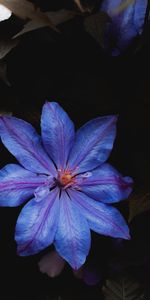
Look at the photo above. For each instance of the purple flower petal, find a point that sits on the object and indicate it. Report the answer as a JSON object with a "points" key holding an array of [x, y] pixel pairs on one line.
{"points": [[57, 133], [72, 240], [105, 184], [93, 144], [37, 224], [21, 139], [17, 184], [102, 218], [125, 25]]}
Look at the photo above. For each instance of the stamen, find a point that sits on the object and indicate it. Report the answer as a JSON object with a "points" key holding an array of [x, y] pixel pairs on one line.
{"points": [[65, 179]]}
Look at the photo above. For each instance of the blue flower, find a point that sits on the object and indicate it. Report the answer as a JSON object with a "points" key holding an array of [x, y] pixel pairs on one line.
{"points": [[69, 184], [124, 26]]}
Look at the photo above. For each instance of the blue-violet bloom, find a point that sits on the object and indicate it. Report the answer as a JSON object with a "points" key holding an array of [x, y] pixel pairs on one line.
{"points": [[69, 184], [124, 26]]}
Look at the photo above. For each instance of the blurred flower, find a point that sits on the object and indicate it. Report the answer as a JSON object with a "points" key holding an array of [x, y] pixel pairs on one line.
{"points": [[52, 264], [5, 13], [91, 276], [125, 24], [71, 186]]}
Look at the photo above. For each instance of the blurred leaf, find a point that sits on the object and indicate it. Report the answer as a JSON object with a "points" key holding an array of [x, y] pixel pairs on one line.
{"points": [[95, 25], [139, 202], [124, 288], [27, 10], [60, 16], [6, 46], [3, 72], [56, 17], [81, 7]]}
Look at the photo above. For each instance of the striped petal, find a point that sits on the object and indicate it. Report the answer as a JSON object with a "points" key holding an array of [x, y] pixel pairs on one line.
{"points": [[57, 133], [72, 240], [105, 184], [21, 139], [93, 144], [37, 224], [102, 218], [17, 184]]}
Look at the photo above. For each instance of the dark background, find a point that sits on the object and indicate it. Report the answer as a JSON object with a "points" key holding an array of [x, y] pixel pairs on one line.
{"points": [[72, 69]]}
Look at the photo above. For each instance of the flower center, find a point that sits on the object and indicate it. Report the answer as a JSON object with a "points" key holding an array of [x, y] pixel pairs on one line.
{"points": [[65, 178]]}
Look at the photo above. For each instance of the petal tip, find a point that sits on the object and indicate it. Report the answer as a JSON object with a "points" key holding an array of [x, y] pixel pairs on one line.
{"points": [[129, 181], [50, 103], [127, 236], [20, 250], [19, 253], [76, 266], [115, 117]]}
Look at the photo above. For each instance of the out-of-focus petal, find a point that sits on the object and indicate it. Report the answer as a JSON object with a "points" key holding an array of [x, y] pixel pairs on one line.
{"points": [[17, 184], [52, 264], [91, 276], [125, 25], [72, 240], [37, 224], [57, 133], [102, 218], [21, 139], [5, 13], [105, 184], [93, 144]]}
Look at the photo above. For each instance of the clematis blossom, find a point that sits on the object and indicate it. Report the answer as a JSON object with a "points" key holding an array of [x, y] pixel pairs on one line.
{"points": [[66, 179], [125, 25]]}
